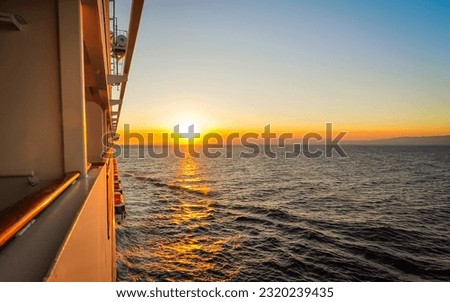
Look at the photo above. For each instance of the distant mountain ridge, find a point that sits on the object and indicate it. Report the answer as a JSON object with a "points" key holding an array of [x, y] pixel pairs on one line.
{"points": [[419, 140]]}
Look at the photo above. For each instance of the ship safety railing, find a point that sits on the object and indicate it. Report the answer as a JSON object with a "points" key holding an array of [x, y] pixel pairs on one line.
{"points": [[16, 219]]}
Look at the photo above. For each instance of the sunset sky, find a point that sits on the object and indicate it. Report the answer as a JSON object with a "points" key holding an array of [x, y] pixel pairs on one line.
{"points": [[373, 68]]}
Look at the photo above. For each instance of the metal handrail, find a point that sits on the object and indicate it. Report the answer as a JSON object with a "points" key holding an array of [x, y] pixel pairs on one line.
{"points": [[17, 217]]}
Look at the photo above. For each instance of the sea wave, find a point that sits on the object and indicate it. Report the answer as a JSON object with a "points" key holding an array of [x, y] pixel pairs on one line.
{"points": [[380, 215]]}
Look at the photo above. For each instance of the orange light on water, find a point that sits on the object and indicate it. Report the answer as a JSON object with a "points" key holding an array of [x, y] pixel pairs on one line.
{"points": [[192, 254]]}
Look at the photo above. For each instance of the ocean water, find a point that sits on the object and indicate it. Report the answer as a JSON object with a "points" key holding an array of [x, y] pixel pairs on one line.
{"points": [[382, 214]]}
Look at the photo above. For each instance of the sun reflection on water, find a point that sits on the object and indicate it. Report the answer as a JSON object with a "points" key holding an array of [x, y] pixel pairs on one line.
{"points": [[194, 250], [189, 177]]}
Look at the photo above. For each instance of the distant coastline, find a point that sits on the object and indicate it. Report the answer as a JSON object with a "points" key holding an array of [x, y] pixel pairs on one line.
{"points": [[442, 140]]}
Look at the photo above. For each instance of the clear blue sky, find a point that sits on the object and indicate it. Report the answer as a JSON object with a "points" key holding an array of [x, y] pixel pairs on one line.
{"points": [[370, 66]]}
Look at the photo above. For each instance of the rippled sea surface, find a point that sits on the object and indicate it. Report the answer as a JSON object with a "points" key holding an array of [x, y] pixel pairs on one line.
{"points": [[383, 213]]}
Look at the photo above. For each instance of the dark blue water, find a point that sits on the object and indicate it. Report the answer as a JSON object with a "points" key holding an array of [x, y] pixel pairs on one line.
{"points": [[383, 213]]}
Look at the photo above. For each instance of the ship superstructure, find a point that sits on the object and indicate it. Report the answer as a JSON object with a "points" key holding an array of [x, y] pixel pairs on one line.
{"points": [[61, 62]]}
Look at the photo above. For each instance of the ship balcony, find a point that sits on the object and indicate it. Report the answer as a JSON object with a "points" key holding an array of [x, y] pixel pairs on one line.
{"points": [[63, 232]]}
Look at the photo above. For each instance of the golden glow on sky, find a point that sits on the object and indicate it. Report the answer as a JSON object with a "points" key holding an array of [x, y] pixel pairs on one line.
{"points": [[353, 133]]}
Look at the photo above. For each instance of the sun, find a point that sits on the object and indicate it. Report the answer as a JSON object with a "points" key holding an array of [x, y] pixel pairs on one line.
{"points": [[189, 127], [186, 120]]}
